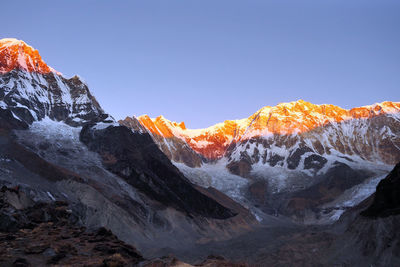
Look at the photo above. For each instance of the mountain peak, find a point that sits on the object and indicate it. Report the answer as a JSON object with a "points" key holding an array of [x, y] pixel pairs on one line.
{"points": [[293, 103], [11, 42], [284, 119], [16, 54], [32, 91]]}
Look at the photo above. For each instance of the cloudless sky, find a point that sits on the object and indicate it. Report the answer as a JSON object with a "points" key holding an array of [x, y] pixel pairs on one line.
{"points": [[205, 61]]}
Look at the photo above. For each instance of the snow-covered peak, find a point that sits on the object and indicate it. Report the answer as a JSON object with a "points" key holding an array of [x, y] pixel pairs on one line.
{"points": [[284, 119], [16, 54], [32, 90], [6, 42]]}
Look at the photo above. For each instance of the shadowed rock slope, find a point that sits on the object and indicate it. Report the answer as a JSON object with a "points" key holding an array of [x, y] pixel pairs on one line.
{"points": [[137, 159], [50, 234], [39, 234], [387, 196]]}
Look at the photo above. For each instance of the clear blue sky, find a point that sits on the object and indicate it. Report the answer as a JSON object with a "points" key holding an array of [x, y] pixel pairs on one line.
{"points": [[206, 61]]}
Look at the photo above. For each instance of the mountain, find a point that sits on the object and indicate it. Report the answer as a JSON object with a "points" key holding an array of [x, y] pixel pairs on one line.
{"points": [[78, 188], [287, 154], [17, 55], [32, 91], [289, 120], [58, 144]]}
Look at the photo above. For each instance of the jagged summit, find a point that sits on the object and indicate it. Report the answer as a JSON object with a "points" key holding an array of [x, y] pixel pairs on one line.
{"points": [[16, 54], [284, 119], [32, 90], [13, 42], [297, 113]]}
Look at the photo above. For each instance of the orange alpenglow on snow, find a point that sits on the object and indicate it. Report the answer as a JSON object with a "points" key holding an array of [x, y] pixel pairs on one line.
{"points": [[16, 54], [284, 119]]}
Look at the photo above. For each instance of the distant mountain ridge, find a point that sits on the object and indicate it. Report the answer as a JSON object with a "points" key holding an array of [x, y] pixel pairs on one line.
{"points": [[285, 119], [295, 158]]}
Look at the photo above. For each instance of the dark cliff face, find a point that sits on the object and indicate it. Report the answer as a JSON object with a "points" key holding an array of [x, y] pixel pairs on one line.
{"points": [[387, 196], [367, 234], [8, 121], [137, 159]]}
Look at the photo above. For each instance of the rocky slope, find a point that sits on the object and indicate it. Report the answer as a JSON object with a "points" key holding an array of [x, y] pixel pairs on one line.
{"points": [[59, 145], [387, 196], [370, 229], [49, 233], [354, 240], [39, 234], [135, 158]]}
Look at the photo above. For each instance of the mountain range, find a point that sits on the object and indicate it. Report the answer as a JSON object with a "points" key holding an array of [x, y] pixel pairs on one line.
{"points": [[311, 176], [292, 119], [280, 152]]}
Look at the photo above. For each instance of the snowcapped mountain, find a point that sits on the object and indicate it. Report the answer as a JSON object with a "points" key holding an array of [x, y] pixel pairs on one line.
{"points": [[57, 143], [321, 128], [287, 148], [31, 90], [65, 163]]}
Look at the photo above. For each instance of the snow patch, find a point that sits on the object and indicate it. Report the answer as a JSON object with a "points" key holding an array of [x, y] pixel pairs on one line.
{"points": [[51, 196], [104, 125]]}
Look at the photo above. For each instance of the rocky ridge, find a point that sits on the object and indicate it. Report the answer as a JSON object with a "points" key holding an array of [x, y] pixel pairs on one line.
{"points": [[282, 126]]}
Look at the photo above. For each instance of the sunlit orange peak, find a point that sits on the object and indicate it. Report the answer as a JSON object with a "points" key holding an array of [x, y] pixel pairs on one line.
{"points": [[16, 54], [285, 118]]}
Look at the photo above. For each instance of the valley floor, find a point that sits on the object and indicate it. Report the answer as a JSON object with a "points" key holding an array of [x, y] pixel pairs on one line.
{"points": [[276, 245]]}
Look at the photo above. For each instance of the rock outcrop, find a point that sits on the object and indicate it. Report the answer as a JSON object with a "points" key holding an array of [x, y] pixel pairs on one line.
{"points": [[387, 196], [370, 229], [39, 234]]}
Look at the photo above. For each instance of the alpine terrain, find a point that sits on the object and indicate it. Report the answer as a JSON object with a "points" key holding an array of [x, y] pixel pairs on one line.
{"points": [[58, 144], [309, 162], [297, 184]]}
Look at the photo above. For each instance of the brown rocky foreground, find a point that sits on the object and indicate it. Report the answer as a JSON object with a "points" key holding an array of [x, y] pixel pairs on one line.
{"points": [[42, 234]]}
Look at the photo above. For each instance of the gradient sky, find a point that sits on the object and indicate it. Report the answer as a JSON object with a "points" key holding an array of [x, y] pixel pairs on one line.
{"points": [[206, 61]]}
